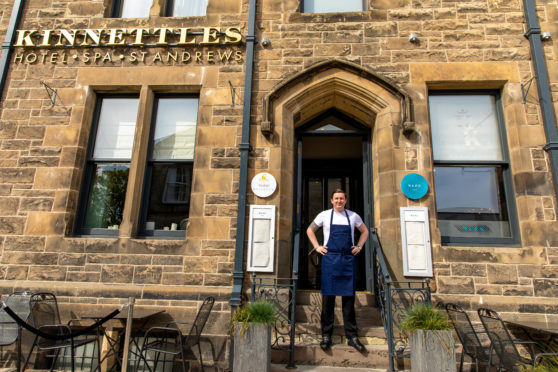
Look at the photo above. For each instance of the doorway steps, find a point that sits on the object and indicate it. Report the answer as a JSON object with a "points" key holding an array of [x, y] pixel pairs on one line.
{"points": [[308, 353]]}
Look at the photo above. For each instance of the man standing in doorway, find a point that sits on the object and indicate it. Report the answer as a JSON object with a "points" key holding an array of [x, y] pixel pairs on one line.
{"points": [[338, 265]]}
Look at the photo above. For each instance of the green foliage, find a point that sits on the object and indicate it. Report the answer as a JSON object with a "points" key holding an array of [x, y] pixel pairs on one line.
{"points": [[108, 191], [549, 363], [427, 317], [542, 368], [259, 312]]}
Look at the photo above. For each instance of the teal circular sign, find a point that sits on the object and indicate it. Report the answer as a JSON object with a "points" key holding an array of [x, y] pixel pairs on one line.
{"points": [[414, 186]]}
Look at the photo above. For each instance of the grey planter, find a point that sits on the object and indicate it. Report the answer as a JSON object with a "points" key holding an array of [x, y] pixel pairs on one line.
{"points": [[252, 351], [432, 351]]}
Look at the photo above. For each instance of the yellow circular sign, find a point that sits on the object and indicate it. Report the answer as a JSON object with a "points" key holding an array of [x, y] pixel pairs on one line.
{"points": [[263, 185]]}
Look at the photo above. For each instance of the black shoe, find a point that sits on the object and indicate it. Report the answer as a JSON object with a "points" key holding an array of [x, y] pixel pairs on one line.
{"points": [[354, 342], [326, 342]]}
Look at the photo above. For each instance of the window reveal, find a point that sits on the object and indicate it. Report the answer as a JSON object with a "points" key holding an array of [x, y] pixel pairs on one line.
{"points": [[331, 6], [108, 164], [471, 170], [169, 172]]}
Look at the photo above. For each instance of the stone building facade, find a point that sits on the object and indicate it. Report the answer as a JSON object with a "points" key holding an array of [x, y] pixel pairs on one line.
{"points": [[356, 68]]}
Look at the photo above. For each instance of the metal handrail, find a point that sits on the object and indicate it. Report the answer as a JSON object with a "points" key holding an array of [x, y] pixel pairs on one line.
{"points": [[382, 294], [282, 293], [407, 293]]}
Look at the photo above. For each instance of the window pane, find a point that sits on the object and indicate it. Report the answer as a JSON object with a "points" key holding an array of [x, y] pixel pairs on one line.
{"points": [[116, 127], [465, 127], [470, 202], [136, 8], [189, 8], [175, 129], [330, 6], [169, 197], [106, 196]]}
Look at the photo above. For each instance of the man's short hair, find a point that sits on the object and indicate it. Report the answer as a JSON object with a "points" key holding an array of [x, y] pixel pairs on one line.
{"points": [[339, 191]]}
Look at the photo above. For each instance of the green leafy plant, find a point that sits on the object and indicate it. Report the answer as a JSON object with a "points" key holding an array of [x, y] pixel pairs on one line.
{"points": [[259, 312], [426, 317], [542, 368], [548, 363]]}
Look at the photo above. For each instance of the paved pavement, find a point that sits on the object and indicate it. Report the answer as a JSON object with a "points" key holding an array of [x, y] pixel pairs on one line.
{"points": [[303, 368]]}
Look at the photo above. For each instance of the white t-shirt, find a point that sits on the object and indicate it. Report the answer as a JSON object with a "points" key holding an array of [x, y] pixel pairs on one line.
{"points": [[322, 220]]}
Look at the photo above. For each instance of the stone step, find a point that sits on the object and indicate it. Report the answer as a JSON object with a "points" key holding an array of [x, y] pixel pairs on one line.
{"points": [[367, 316], [339, 355], [368, 335], [313, 297]]}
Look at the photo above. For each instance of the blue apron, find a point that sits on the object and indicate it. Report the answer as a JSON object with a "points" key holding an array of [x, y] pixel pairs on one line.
{"points": [[338, 264]]}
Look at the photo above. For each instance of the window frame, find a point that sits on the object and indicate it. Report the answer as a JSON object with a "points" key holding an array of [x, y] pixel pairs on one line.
{"points": [[504, 165], [117, 5], [364, 9], [88, 169], [148, 173], [169, 7]]}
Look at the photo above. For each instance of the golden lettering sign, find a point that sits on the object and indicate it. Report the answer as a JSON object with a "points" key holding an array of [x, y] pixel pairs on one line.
{"points": [[130, 37], [175, 55]]}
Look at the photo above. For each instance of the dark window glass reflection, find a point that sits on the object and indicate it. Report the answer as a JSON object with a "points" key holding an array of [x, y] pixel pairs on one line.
{"points": [[470, 201], [169, 198], [107, 193], [167, 202]]}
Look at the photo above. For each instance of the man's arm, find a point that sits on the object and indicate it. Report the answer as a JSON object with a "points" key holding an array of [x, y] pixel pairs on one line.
{"points": [[363, 237], [311, 232]]}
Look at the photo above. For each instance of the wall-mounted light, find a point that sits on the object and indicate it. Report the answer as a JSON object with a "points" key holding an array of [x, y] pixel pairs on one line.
{"points": [[546, 36], [266, 42], [413, 38]]}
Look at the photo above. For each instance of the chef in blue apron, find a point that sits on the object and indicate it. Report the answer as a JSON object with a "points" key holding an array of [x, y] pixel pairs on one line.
{"points": [[338, 265]]}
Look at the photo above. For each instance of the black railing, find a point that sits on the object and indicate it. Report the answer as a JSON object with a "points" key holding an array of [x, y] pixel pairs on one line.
{"points": [[393, 299], [282, 292]]}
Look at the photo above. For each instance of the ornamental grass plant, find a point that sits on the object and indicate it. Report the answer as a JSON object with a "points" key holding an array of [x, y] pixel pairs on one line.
{"points": [[259, 312], [425, 317], [549, 363]]}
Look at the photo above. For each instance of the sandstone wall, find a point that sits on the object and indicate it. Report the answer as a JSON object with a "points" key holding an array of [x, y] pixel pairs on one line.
{"points": [[462, 45], [473, 44]]}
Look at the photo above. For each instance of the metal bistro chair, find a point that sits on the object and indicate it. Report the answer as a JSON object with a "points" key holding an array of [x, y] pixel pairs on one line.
{"points": [[170, 339], [10, 331], [468, 336], [45, 317], [504, 345]]}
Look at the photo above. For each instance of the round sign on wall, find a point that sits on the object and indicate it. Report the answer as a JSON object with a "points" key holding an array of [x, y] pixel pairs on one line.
{"points": [[414, 186], [263, 184]]}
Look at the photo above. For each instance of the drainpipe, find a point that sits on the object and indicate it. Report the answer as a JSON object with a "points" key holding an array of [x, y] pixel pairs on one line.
{"points": [[543, 86], [238, 271], [17, 11]]}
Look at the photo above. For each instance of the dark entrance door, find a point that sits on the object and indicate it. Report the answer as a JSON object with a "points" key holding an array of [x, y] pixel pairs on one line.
{"points": [[332, 154]]}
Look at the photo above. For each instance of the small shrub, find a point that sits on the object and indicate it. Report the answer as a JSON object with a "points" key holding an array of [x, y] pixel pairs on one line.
{"points": [[548, 363], [259, 312], [427, 317]]}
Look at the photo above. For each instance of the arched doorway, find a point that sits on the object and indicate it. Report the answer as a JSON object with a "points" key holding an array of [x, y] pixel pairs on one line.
{"points": [[333, 155], [361, 104]]}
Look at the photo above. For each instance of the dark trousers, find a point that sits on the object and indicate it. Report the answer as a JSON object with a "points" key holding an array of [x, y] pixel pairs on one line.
{"points": [[328, 315]]}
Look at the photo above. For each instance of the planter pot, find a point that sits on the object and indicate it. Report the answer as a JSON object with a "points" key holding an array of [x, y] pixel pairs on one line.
{"points": [[252, 351], [432, 351]]}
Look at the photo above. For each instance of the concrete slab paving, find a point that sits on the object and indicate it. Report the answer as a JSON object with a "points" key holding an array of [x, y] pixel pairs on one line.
{"points": [[306, 368]]}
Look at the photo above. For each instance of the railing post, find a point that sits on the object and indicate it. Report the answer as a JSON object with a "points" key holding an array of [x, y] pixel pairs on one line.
{"points": [[389, 329], [291, 364], [127, 334]]}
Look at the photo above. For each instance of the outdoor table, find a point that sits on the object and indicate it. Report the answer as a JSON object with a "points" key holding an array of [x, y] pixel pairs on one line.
{"points": [[131, 321], [544, 333]]}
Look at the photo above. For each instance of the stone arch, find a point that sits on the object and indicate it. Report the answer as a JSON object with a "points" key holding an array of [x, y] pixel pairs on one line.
{"points": [[362, 95]]}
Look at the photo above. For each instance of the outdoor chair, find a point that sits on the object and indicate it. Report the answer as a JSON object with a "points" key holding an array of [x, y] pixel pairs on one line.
{"points": [[45, 317], [10, 331], [171, 340], [469, 337], [504, 346]]}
